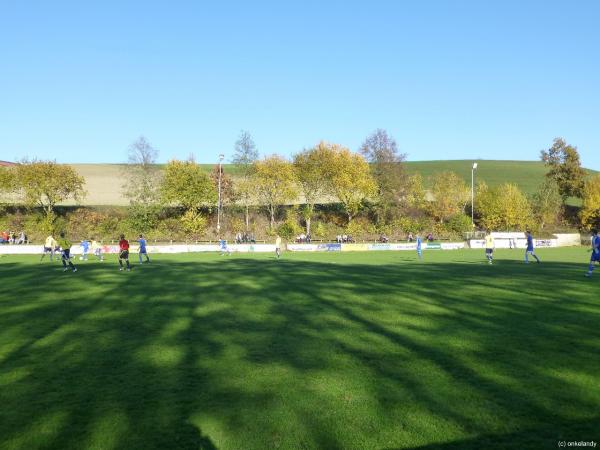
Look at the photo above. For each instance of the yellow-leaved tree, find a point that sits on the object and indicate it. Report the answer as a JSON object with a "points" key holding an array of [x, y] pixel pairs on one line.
{"points": [[311, 173], [275, 181], [186, 185], [349, 179], [590, 210], [450, 196], [503, 207], [47, 183]]}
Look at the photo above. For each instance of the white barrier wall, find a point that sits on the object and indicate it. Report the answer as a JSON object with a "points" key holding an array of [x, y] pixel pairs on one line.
{"points": [[372, 247], [568, 239], [175, 248], [518, 240], [512, 243]]}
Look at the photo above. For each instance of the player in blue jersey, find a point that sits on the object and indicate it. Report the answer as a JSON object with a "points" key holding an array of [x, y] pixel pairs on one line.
{"points": [[529, 250], [85, 248], [419, 247], [595, 258], [224, 247], [143, 250]]}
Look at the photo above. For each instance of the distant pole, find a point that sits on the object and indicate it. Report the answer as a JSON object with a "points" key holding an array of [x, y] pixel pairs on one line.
{"points": [[473, 194], [219, 204]]}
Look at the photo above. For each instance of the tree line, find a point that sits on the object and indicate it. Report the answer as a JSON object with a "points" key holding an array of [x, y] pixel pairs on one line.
{"points": [[371, 183]]}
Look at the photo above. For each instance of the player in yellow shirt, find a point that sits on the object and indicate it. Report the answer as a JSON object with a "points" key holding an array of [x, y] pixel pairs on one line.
{"points": [[50, 246], [278, 246], [489, 246], [97, 250]]}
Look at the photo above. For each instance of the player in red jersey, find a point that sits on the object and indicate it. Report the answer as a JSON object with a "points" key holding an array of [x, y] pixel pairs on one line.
{"points": [[124, 253]]}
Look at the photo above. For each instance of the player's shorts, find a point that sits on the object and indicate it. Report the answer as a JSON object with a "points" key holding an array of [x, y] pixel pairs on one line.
{"points": [[143, 251], [124, 254], [529, 249], [489, 251], [47, 249], [595, 256], [66, 254]]}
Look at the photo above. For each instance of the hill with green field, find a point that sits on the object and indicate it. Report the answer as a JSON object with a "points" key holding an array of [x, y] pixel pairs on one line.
{"points": [[104, 181]]}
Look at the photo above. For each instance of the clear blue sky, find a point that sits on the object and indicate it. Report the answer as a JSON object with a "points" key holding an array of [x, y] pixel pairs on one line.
{"points": [[79, 81]]}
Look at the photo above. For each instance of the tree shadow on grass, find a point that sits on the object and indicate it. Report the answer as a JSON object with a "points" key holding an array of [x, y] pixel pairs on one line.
{"points": [[251, 353]]}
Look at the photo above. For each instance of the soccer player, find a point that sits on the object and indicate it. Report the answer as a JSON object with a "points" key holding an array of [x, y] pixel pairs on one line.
{"points": [[143, 250], [97, 250], [489, 247], [419, 247], [124, 253], [595, 252], [85, 248], [278, 246], [65, 247], [529, 250], [224, 247], [49, 247]]}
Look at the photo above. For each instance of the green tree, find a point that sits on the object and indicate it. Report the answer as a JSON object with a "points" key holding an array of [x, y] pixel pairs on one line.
{"points": [[547, 203], [386, 162], [450, 195], [590, 210], [565, 169], [245, 155], [142, 184], [350, 179], [185, 184], [504, 207], [47, 183], [311, 173], [275, 182]]}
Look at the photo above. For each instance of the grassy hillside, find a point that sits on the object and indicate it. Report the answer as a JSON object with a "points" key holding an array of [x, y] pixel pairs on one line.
{"points": [[104, 181], [526, 174]]}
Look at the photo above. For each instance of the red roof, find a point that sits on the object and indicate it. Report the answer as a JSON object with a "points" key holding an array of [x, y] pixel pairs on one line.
{"points": [[6, 163]]}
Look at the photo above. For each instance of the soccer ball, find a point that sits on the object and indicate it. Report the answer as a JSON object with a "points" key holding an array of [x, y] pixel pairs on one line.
{"points": [[81, 258]]}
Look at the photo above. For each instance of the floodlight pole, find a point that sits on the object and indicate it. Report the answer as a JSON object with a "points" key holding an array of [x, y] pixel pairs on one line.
{"points": [[221, 156], [473, 194]]}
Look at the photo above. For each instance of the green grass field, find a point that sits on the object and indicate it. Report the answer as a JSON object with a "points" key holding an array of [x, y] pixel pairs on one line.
{"points": [[330, 351]]}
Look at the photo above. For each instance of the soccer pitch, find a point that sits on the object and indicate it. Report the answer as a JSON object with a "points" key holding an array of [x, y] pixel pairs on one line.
{"points": [[334, 351]]}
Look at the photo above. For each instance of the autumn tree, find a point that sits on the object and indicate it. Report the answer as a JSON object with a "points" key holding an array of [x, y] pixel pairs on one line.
{"points": [[142, 182], [275, 182], [350, 179], [47, 183], [186, 185], [450, 196], [590, 210], [564, 167], [245, 155], [547, 203], [381, 152], [415, 192], [311, 173], [503, 207], [7, 182]]}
